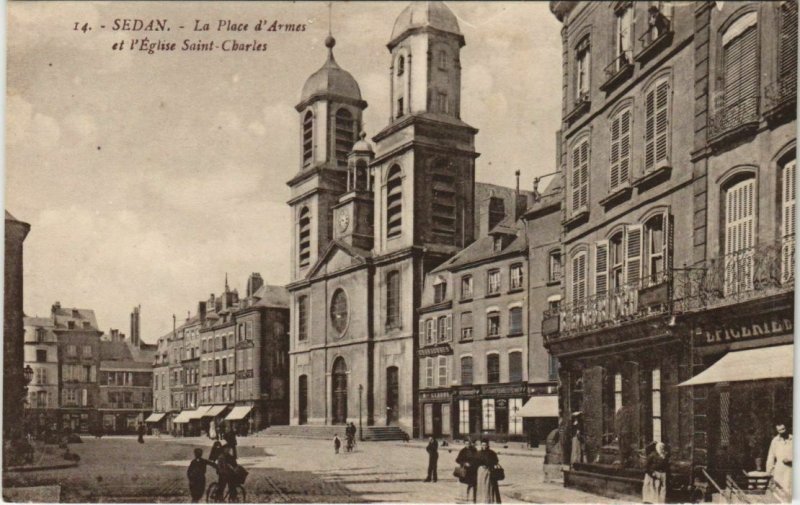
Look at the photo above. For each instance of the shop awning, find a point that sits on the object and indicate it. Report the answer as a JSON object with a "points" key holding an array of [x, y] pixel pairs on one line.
{"points": [[198, 414], [238, 413], [749, 365], [182, 418], [214, 410], [155, 417], [540, 406]]}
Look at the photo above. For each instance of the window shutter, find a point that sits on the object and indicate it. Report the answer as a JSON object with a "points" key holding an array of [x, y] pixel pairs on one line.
{"points": [[449, 328], [624, 146], [615, 152], [421, 332], [669, 242], [788, 220], [633, 253], [741, 74], [788, 50], [650, 130], [661, 122], [601, 267], [576, 180], [584, 173], [433, 329], [578, 277]]}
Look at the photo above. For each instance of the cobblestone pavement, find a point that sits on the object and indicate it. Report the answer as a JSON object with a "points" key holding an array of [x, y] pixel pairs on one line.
{"points": [[281, 470]]}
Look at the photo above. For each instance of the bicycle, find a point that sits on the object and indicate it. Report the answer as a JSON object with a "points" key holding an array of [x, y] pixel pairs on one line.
{"points": [[212, 495]]}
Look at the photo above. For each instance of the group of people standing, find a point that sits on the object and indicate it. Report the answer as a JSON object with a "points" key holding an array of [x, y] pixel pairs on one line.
{"points": [[223, 458], [480, 470]]}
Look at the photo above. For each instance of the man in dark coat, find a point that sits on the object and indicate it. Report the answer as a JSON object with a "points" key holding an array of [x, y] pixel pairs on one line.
{"points": [[141, 433], [230, 440], [433, 459], [466, 458], [197, 475]]}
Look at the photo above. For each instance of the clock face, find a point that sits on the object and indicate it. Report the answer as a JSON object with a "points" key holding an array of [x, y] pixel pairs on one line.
{"points": [[339, 311], [344, 222]]}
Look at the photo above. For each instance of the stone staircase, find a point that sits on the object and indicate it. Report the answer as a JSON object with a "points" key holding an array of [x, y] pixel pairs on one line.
{"points": [[373, 433]]}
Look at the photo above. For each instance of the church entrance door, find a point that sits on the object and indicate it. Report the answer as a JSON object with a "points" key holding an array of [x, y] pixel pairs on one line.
{"points": [[392, 396], [339, 398], [302, 400]]}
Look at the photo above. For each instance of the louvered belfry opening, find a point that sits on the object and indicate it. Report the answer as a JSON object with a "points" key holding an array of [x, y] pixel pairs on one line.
{"points": [[394, 202], [345, 136], [308, 137], [443, 203], [304, 237]]}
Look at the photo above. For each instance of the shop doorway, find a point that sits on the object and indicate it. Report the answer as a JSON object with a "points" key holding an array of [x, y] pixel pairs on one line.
{"points": [[339, 397], [302, 399], [392, 396]]}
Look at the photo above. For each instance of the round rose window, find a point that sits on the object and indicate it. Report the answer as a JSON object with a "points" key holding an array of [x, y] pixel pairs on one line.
{"points": [[339, 311]]}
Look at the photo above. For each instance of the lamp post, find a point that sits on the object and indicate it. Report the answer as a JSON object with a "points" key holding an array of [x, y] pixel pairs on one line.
{"points": [[27, 375], [360, 430]]}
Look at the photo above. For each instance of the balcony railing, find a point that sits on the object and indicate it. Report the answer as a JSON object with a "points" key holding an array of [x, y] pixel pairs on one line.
{"points": [[634, 300], [781, 96], [618, 70], [744, 275], [732, 116]]}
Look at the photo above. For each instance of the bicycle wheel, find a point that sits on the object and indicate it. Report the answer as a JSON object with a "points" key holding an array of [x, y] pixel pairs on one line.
{"points": [[240, 496], [211, 493]]}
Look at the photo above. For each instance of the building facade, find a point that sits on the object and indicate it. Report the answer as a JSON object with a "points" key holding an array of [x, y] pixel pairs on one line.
{"points": [[125, 388], [659, 242], [41, 354]]}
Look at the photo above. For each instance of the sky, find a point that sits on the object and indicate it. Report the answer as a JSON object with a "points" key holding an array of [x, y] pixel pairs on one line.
{"points": [[147, 178]]}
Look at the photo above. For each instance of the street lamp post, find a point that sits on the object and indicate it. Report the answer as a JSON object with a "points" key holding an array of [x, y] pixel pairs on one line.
{"points": [[360, 430]]}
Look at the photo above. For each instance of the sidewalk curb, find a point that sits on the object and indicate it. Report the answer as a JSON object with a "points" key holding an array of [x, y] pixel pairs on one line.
{"points": [[59, 466]]}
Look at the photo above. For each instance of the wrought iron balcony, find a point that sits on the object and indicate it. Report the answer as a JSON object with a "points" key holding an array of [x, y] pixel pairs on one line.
{"points": [[620, 69], [732, 118], [582, 105], [781, 97], [635, 300], [654, 39], [756, 272]]}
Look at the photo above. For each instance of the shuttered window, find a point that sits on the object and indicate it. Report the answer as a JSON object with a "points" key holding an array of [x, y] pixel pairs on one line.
{"points": [[345, 135], [601, 267], [580, 176], [302, 317], [788, 174], [579, 277], [620, 149], [394, 203], [582, 70], [656, 128], [514, 366], [739, 220], [393, 299], [466, 370], [788, 42], [515, 321], [442, 371], [304, 237], [429, 372], [308, 137], [493, 368], [633, 253], [740, 71]]}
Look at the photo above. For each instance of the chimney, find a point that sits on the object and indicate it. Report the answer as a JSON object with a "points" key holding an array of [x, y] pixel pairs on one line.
{"points": [[201, 312], [135, 325], [114, 335], [254, 283], [521, 200], [55, 308], [174, 324]]}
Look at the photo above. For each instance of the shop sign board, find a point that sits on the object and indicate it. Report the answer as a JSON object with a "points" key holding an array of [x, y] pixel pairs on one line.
{"points": [[737, 330]]}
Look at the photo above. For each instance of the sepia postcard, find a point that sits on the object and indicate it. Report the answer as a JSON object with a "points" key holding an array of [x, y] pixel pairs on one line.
{"points": [[411, 251]]}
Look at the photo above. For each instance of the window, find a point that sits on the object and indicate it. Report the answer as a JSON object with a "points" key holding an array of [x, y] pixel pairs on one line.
{"points": [[401, 66], [516, 276], [623, 44], [554, 270], [442, 371], [429, 372], [345, 136], [439, 290], [514, 419], [787, 62], [71, 325], [739, 241], [582, 70], [87, 351], [656, 126], [394, 202], [41, 335], [72, 350], [400, 107], [493, 282], [515, 366], [580, 176], [69, 397], [445, 328], [430, 331], [393, 299], [466, 371], [466, 287], [617, 392], [552, 368], [617, 262], [656, 248], [659, 19], [655, 384], [308, 137], [463, 417], [620, 149], [302, 317], [41, 355], [216, 367], [515, 321], [441, 102], [788, 173], [487, 411], [492, 368], [466, 326], [41, 376], [304, 237], [442, 60], [493, 324], [443, 203], [740, 70], [579, 277], [497, 211]]}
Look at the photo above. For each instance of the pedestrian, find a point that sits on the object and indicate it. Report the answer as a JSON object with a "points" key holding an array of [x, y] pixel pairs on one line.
{"points": [[433, 459], [336, 443], [486, 489], [197, 475], [212, 430], [141, 433], [654, 485], [230, 440], [467, 459], [216, 450], [226, 474], [576, 452], [779, 459]]}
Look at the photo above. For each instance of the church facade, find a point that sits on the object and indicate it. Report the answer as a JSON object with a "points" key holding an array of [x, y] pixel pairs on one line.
{"points": [[369, 223]]}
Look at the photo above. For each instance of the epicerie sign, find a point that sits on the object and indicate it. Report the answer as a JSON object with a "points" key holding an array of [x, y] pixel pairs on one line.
{"points": [[726, 333]]}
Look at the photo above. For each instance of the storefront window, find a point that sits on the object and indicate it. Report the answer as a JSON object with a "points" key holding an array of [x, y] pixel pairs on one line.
{"points": [[428, 414], [514, 420], [488, 414], [463, 417], [445, 419]]}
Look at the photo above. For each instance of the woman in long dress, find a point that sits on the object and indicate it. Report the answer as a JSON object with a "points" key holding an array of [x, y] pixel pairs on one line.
{"points": [[654, 486], [486, 489]]}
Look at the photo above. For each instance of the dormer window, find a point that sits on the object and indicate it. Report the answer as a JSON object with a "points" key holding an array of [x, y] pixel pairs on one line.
{"points": [[439, 290], [498, 243]]}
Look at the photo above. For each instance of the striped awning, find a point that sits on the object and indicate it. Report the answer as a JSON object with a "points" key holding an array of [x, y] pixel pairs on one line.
{"points": [[155, 417]]}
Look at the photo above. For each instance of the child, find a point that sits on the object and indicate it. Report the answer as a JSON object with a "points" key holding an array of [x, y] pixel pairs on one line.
{"points": [[336, 443], [197, 475]]}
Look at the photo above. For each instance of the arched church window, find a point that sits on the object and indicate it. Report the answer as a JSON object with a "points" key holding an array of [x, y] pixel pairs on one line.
{"points": [[394, 202], [361, 175], [345, 136], [443, 203], [304, 237], [401, 66], [308, 136]]}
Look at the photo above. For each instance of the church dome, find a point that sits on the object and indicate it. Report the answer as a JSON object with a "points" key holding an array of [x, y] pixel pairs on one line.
{"points": [[362, 145], [331, 79], [426, 14]]}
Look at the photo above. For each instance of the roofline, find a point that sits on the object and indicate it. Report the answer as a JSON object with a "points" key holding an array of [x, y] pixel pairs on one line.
{"points": [[424, 29]]}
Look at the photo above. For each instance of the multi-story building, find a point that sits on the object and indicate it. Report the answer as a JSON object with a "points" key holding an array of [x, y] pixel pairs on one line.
{"points": [[41, 354], [368, 226], [126, 387], [163, 411], [642, 314]]}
